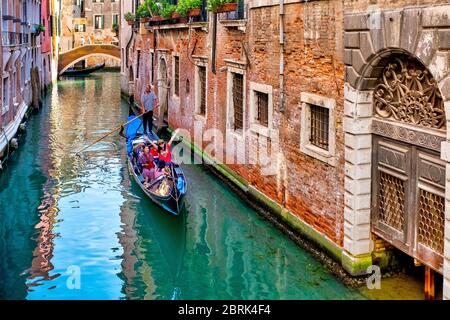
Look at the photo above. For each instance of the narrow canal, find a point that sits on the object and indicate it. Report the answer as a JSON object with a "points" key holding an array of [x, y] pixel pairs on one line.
{"points": [[78, 227]]}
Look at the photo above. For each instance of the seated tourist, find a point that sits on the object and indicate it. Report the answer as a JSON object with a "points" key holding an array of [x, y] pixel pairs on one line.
{"points": [[165, 156], [137, 150], [148, 166]]}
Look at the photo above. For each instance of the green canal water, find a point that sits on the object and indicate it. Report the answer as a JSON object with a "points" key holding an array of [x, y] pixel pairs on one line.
{"points": [[79, 228]]}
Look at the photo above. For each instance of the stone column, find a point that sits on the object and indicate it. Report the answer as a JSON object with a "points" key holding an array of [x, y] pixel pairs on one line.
{"points": [[358, 157]]}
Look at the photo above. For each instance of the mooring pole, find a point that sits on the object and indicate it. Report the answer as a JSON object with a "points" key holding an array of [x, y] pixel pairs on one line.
{"points": [[429, 284]]}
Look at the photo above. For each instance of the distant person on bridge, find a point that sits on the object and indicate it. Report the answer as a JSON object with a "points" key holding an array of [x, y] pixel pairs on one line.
{"points": [[82, 41], [148, 102]]}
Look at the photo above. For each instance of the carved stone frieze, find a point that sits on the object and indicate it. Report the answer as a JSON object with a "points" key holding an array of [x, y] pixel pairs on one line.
{"points": [[408, 135]]}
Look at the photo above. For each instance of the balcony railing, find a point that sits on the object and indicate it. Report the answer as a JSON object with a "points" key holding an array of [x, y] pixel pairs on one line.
{"points": [[14, 38]]}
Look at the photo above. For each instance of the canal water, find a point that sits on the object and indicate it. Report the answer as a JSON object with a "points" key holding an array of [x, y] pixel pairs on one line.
{"points": [[78, 227]]}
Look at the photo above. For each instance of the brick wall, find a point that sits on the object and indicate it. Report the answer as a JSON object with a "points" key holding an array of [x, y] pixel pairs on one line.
{"points": [[310, 188]]}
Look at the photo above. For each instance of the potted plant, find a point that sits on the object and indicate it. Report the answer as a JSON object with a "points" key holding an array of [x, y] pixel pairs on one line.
{"points": [[115, 27], [142, 13], [219, 6], [129, 18], [167, 10], [155, 9], [182, 8], [38, 28], [195, 7]]}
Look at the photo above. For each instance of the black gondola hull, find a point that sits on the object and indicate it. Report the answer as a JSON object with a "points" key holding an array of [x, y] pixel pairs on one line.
{"points": [[168, 203]]}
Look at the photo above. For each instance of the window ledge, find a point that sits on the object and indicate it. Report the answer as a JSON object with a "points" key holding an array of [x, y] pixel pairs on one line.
{"points": [[239, 24], [261, 130], [239, 134], [318, 153], [200, 117]]}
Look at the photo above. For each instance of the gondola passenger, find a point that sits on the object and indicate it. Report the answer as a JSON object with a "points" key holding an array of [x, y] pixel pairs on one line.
{"points": [[148, 166], [165, 156], [137, 150]]}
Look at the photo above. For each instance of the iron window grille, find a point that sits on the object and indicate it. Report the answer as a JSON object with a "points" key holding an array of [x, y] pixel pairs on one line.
{"points": [[262, 104], [202, 84], [138, 63], [319, 134], [238, 100], [177, 76]]}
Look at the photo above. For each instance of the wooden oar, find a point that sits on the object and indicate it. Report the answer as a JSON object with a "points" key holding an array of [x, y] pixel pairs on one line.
{"points": [[109, 133]]}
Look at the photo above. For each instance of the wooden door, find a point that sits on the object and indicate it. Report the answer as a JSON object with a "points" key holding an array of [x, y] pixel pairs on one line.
{"points": [[408, 199]]}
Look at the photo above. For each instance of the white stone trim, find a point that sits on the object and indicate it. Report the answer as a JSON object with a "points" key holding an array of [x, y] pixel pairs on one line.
{"points": [[267, 3], [327, 156], [174, 95], [253, 125], [358, 171], [200, 62], [230, 107]]}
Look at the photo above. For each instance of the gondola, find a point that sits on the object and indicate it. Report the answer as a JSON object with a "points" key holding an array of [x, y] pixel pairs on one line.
{"points": [[83, 72], [167, 190]]}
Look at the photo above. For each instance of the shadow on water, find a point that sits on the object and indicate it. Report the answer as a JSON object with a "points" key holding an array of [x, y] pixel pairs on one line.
{"points": [[169, 233]]}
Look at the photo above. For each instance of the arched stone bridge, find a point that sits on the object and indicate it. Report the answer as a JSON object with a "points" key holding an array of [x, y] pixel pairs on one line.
{"points": [[66, 59]]}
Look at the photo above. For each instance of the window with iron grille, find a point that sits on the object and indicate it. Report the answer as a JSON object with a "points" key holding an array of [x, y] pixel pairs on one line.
{"points": [[262, 108], [177, 76], [138, 63], [319, 127], [151, 67], [202, 89], [238, 99]]}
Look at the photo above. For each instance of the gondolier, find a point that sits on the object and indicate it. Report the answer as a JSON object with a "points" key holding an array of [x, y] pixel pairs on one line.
{"points": [[148, 102]]}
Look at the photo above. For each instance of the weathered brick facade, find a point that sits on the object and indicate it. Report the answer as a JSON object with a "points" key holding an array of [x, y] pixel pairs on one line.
{"points": [[322, 58], [309, 188]]}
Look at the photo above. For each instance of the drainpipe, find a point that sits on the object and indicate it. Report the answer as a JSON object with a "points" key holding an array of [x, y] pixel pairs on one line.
{"points": [[282, 56], [214, 43]]}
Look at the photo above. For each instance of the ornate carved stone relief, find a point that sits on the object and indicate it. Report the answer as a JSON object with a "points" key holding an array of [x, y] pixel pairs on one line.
{"points": [[418, 138], [407, 92]]}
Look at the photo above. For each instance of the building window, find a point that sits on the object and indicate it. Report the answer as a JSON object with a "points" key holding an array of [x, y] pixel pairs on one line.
{"points": [[201, 90], [115, 19], [22, 76], [99, 22], [188, 87], [261, 108], [152, 61], [122, 57], [177, 75], [13, 86], [5, 23], [238, 101], [80, 28], [317, 132], [5, 95], [319, 126], [138, 63]]}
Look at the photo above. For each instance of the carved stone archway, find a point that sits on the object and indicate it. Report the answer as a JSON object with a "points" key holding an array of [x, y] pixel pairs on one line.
{"points": [[372, 41]]}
